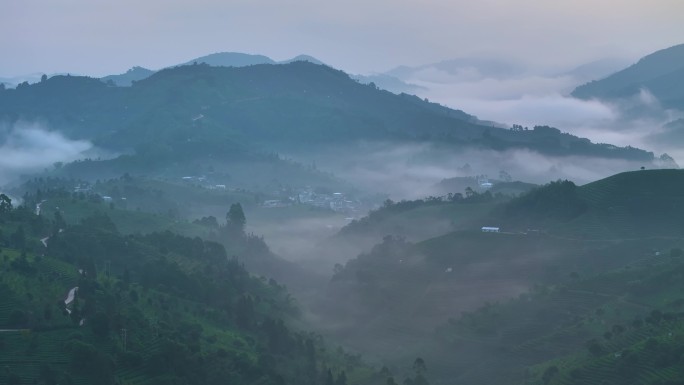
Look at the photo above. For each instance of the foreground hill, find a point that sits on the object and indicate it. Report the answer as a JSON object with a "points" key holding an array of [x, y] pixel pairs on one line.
{"points": [[580, 259], [661, 73], [83, 303]]}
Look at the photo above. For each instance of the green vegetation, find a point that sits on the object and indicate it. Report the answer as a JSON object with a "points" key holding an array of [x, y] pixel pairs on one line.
{"points": [[233, 114], [148, 309], [635, 205], [423, 218], [561, 305]]}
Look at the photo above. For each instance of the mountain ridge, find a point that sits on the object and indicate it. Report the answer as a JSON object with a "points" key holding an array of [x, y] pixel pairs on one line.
{"points": [[661, 72]]}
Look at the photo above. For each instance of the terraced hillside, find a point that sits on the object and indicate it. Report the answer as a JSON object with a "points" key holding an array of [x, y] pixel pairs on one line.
{"points": [[584, 267], [581, 332]]}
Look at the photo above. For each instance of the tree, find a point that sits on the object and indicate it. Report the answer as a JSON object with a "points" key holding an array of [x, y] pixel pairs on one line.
{"points": [[47, 312], [5, 204], [47, 375], [13, 379], [18, 319], [59, 223], [235, 217], [419, 366], [549, 373], [244, 312], [43, 78], [469, 192], [99, 323], [594, 347], [18, 238], [341, 379]]}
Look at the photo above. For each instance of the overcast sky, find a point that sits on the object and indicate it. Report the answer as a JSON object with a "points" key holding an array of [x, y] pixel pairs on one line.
{"points": [[98, 37]]}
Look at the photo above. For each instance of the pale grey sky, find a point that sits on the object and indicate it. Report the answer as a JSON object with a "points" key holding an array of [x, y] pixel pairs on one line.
{"points": [[98, 37]]}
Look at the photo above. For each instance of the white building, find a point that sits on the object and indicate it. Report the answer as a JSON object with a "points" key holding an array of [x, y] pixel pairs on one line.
{"points": [[487, 229]]}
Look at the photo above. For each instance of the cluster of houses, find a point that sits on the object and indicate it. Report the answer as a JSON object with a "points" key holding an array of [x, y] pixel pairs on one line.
{"points": [[202, 181], [337, 201]]}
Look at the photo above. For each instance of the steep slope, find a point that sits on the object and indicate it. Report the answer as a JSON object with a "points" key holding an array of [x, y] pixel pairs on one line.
{"points": [[661, 73]]}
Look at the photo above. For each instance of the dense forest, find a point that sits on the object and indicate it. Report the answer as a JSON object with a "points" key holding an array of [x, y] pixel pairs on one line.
{"points": [[98, 306]]}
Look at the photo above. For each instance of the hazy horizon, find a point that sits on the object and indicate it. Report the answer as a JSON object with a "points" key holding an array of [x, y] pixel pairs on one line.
{"points": [[82, 37]]}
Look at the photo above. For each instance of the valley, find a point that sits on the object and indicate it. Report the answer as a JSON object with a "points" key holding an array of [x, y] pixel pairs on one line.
{"points": [[239, 219]]}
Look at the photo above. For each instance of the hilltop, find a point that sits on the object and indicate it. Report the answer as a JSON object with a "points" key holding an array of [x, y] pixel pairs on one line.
{"points": [[219, 59], [636, 204]]}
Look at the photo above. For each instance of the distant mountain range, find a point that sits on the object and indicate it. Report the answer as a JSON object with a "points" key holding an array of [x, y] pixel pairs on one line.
{"points": [[237, 59], [219, 59], [126, 79], [469, 69], [493, 68]]}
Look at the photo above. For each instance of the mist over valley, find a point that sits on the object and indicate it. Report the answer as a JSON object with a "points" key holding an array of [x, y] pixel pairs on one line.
{"points": [[227, 217]]}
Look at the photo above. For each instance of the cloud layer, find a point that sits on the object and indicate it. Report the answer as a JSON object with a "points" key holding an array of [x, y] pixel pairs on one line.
{"points": [[31, 147], [532, 98]]}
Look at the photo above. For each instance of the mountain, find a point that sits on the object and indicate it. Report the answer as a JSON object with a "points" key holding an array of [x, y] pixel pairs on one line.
{"points": [[307, 58], [12, 82], [597, 69], [660, 73], [126, 79], [468, 67], [237, 59], [231, 59], [220, 59], [295, 105], [389, 83]]}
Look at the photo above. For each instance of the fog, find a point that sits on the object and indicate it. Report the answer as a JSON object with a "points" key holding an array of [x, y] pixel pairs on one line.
{"points": [[536, 97], [31, 147], [411, 171]]}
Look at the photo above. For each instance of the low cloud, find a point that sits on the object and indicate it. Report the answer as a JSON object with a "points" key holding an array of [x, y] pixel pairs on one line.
{"points": [[30, 147], [411, 171], [531, 99]]}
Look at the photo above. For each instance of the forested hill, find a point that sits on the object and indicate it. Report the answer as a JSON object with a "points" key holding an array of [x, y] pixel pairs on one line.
{"points": [[298, 104], [86, 304], [636, 204], [596, 270]]}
